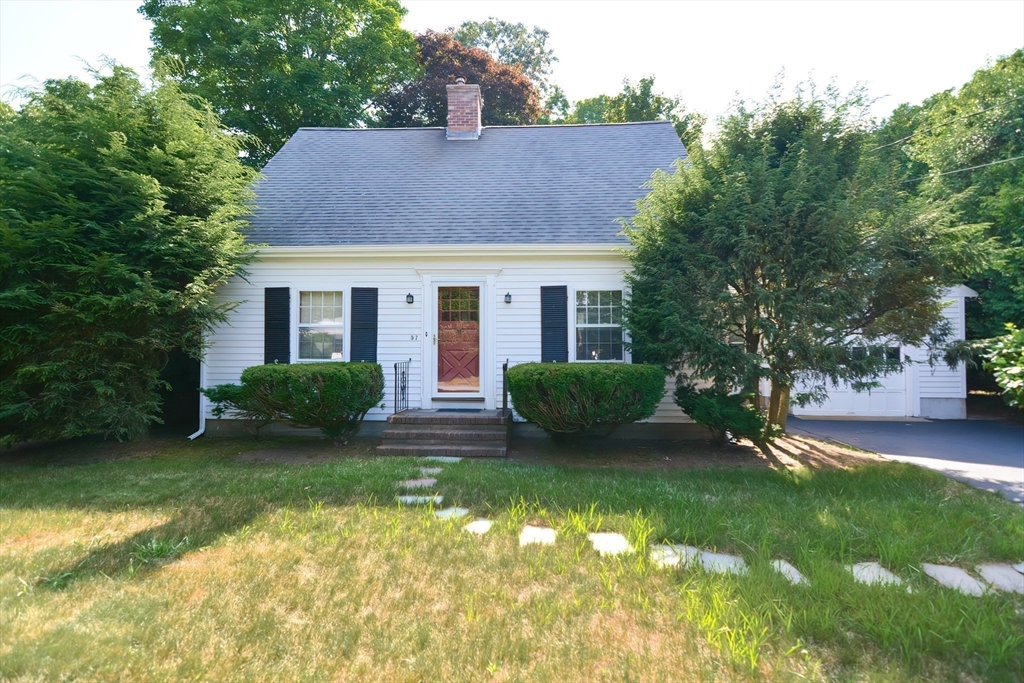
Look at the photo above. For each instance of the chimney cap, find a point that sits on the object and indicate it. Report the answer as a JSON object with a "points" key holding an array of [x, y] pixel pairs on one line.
{"points": [[460, 80]]}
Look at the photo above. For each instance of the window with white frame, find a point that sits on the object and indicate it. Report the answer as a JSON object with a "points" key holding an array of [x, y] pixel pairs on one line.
{"points": [[599, 325], [321, 326]]}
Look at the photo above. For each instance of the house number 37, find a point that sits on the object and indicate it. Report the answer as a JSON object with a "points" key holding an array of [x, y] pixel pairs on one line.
{"points": [[414, 337]]}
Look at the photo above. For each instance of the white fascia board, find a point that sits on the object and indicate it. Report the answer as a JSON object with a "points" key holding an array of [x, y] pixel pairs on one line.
{"points": [[961, 290], [561, 251]]}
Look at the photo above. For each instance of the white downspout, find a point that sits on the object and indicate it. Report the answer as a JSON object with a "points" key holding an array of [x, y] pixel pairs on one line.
{"points": [[202, 402]]}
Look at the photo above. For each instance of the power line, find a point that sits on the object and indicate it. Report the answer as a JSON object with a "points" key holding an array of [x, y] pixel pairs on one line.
{"points": [[945, 123], [970, 168]]}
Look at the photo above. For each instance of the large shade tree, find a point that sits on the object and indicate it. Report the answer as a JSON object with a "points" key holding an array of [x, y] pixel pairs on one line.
{"points": [[764, 255], [639, 102], [509, 95], [269, 68], [967, 145], [120, 210]]}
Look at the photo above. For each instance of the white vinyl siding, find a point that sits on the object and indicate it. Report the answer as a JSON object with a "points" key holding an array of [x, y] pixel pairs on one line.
{"points": [[513, 330]]}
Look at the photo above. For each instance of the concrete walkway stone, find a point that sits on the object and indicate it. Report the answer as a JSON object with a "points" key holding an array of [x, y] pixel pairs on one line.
{"points": [[665, 556], [417, 483], [451, 513], [442, 458], [1002, 576], [479, 527], [430, 471], [1019, 567], [419, 500], [540, 535], [873, 574], [721, 563], [790, 572], [610, 543], [955, 578]]}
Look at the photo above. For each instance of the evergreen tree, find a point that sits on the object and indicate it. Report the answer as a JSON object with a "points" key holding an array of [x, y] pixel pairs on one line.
{"points": [[120, 210]]}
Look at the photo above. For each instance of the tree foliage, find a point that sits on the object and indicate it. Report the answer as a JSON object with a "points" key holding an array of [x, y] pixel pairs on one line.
{"points": [[764, 254], [512, 44], [119, 215], [1005, 359], [269, 68], [510, 97], [976, 125], [638, 102]]}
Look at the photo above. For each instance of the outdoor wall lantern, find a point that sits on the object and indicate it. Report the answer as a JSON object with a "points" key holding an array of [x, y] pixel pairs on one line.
{"points": [[508, 297], [409, 298]]}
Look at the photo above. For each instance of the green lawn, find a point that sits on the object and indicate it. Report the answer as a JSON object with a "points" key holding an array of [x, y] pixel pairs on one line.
{"points": [[188, 564]]}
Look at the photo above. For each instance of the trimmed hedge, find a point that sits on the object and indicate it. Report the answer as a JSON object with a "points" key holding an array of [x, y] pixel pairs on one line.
{"points": [[569, 398], [333, 397]]}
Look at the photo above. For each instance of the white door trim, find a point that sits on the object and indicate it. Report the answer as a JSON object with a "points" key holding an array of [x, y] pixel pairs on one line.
{"points": [[486, 283]]}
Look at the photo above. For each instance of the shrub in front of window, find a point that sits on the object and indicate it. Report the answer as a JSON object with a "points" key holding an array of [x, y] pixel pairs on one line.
{"points": [[239, 401], [333, 397], [722, 413], [569, 398]]}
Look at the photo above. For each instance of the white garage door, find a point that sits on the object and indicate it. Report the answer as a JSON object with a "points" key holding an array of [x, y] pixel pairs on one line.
{"points": [[889, 400]]}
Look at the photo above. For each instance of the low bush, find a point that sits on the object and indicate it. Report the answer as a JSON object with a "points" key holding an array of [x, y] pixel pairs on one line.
{"points": [[721, 412], [333, 397], [569, 398], [1005, 360]]}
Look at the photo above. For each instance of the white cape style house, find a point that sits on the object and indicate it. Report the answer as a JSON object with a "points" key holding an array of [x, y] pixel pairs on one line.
{"points": [[442, 253]]}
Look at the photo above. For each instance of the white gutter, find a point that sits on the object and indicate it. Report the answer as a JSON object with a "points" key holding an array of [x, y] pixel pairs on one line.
{"points": [[202, 403]]}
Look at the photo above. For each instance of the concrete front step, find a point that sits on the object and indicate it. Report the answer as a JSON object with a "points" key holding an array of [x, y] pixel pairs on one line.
{"points": [[409, 432], [442, 417], [484, 449]]}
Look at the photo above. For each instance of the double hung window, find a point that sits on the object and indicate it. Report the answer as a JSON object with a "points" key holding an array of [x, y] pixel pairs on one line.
{"points": [[321, 326], [599, 325]]}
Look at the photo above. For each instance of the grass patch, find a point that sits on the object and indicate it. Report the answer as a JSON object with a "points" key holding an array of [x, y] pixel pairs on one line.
{"points": [[191, 564]]}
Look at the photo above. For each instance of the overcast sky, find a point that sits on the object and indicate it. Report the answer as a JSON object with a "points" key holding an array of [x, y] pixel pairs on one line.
{"points": [[704, 52]]}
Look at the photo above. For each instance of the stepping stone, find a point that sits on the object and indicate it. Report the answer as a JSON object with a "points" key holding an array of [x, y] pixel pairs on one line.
{"points": [[451, 513], [610, 543], [955, 578], [442, 458], [417, 483], [874, 574], [673, 555], [1019, 567], [790, 572], [1002, 576], [541, 535], [721, 563], [419, 500], [479, 527], [430, 471]]}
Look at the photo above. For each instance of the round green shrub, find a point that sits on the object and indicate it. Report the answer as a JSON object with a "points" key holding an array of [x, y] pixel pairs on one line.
{"points": [[721, 412], [333, 397], [569, 398]]}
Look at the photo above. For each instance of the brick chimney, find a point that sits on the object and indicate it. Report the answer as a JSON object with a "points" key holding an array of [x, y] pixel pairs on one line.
{"points": [[464, 105]]}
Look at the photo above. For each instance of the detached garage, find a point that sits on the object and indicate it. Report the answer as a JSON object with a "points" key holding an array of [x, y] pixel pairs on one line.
{"points": [[918, 391]]}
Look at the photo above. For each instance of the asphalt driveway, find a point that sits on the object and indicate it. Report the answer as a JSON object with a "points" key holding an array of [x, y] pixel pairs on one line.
{"points": [[988, 454]]}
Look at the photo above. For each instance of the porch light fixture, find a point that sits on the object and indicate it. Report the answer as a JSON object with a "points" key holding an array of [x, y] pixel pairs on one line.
{"points": [[508, 297], [409, 298]]}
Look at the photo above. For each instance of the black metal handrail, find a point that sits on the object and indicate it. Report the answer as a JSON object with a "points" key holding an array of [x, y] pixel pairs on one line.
{"points": [[504, 387], [402, 385]]}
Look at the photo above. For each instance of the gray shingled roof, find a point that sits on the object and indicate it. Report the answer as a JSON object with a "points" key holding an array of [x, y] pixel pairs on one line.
{"points": [[516, 184]]}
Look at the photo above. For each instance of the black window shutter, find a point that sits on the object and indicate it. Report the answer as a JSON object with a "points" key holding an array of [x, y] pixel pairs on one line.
{"points": [[277, 304], [364, 324], [554, 324]]}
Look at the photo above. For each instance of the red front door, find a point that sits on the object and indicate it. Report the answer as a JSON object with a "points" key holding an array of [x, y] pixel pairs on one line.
{"points": [[458, 339]]}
